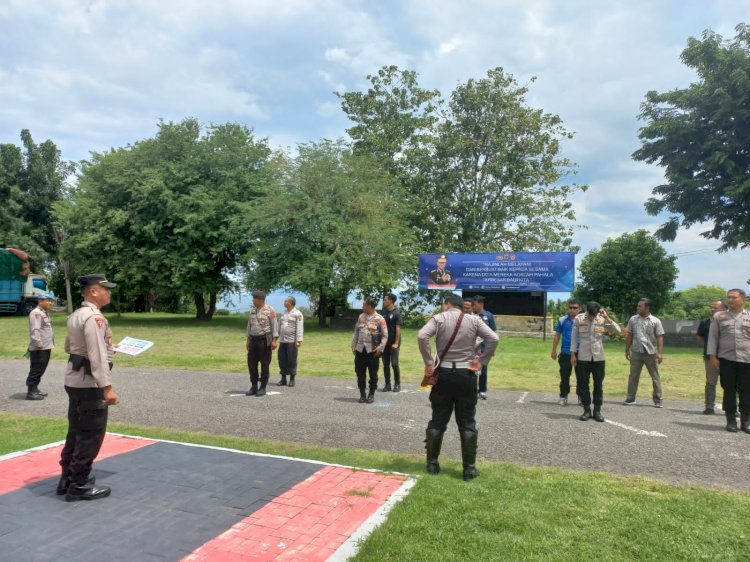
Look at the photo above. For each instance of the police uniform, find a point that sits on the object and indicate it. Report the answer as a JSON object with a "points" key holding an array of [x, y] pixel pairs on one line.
{"points": [[291, 332], [729, 340], [370, 336], [41, 342], [456, 387], [86, 377], [262, 330]]}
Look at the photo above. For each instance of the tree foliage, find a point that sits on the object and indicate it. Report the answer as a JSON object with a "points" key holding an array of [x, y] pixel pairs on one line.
{"points": [[699, 135], [694, 303], [330, 223], [626, 269], [170, 216]]}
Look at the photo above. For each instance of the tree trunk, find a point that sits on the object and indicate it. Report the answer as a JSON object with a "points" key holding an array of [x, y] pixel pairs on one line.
{"points": [[68, 290], [200, 306], [322, 309]]}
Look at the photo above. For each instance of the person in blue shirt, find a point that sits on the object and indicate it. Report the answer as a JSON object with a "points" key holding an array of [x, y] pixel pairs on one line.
{"points": [[564, 331], [489, 319]]}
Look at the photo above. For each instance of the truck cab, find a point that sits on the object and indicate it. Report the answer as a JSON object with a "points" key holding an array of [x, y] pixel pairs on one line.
{"points": [[19, 289]]}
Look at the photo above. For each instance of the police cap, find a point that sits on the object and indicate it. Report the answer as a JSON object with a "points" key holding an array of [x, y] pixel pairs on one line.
{"points": [[95, 279]]}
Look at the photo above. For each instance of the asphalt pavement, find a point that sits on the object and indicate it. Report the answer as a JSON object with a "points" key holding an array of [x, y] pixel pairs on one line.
{"points": [[676, 443]]}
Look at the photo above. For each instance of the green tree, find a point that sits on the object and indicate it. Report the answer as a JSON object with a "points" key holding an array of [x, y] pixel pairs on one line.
{"points": [[699, 135], [626, 269], [332, 222], [694, 303], [171, 215]]}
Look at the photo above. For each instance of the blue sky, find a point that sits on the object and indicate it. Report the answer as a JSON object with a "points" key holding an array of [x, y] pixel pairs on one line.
{"points": [[94, 75]]}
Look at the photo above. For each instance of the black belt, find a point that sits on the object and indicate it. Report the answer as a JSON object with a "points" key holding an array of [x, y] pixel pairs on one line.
{"points": [[257, 337]]}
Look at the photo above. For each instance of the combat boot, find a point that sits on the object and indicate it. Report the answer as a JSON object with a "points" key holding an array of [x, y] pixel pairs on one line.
{"points": [[253, 390], [433, 443], [64, 483], [291, 380], [31, 394], [598, 414], [362, 397], [261, 390], [371, 396], [731, 422], [282, 382], [586, 414], [36, 389], [469, 454], [745, 422]]}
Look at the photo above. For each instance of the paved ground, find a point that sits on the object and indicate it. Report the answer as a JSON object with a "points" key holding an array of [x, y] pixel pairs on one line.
{"points": [[172, 501], [676, 443]]}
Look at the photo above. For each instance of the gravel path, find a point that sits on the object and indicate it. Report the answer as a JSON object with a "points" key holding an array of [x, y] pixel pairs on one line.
{"points": [[676, 444]]}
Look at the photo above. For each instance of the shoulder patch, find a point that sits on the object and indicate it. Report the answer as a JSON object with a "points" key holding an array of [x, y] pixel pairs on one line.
{"points": [[38, 314], [100, 321]]}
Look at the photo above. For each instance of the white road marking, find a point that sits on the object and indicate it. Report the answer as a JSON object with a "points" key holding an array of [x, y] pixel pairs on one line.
{"points": [[636, 430], [523, 397]]}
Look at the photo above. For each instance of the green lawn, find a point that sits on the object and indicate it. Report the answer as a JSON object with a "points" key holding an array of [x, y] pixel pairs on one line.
{"points": [[509, 513], [219, 345]]}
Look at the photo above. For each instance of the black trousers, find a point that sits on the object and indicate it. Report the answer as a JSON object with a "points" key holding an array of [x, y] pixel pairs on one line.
{"points": [[566, 368], [456, 389], [595, 369], [87, 424], [390, 359], [288, 359], [735, 379], [259, 352], [483, 379], [39, 360], [366, 363]]}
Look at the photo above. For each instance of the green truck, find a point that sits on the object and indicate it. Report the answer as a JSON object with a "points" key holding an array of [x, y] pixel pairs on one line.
{"points": [[19, 289]]}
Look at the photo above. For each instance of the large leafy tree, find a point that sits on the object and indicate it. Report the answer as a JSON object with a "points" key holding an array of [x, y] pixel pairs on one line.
{"points": [[694, 303], [170, 215], [330, 223], [699, 135], [626, 269]]}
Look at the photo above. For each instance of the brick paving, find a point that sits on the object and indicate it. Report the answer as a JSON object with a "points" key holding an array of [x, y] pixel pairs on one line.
{"points": [[173, 501]]}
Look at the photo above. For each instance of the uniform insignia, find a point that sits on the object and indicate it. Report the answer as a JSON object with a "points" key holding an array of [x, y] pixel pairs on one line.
{"points": [[100, 322], [37, 314]]}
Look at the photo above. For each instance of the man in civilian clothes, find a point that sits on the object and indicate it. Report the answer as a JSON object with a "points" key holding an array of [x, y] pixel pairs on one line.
{"points": [[390, 354], [564, 330], [489, 319], [644, 345]]}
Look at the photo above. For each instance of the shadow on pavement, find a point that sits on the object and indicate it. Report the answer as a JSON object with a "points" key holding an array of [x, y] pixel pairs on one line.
{"points": [[701, 426]]}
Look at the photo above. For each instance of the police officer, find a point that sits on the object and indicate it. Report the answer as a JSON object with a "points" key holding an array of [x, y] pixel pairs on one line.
{"points": [[291, 334], [456, 388], [262, 339], [89, 386], [729, 351], [368, 342], [41, 342]]}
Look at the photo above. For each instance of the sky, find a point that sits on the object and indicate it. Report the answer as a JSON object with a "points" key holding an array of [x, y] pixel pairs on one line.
{"points": [[93, 75]]}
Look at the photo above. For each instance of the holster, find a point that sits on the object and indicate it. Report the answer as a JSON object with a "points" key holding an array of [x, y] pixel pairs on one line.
{"points": [[79, 362]]}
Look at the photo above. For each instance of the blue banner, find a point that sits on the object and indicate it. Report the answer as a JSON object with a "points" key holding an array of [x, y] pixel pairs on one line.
{"points": [[507, 271]]}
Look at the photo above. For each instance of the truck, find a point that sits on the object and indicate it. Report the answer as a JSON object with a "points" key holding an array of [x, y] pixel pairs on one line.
{"points": [[19, 289]]}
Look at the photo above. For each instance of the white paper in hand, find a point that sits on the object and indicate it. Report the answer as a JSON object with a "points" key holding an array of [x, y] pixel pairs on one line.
{"points": [[132, 346]]}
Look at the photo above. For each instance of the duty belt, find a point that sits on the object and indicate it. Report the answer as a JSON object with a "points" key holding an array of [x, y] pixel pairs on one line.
{"points": [[454, 365]]}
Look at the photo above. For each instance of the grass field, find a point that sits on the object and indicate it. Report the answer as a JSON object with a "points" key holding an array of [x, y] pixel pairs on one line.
{"points": [[184, 343], [509, 513]]}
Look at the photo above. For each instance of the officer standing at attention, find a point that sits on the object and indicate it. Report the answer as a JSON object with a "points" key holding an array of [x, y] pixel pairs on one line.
{"points": [[262, 339], [89, 387], [456, 388], [291, 331], [368, 342], [729, 351], [41, 342]]}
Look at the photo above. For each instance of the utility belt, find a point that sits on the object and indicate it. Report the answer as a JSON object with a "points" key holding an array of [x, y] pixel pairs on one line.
{"points": [[453, 365], [79, 362]]}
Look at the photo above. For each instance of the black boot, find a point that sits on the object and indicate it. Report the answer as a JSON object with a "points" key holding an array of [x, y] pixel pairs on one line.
{"points": [[731, 422], [598, 414], [397, 387], [86, 492], [469, 454], [387, 387], [433, 443], [371, 396], [261, 390], [253, 390], [586, 414], [745, 422], [33, 395], [291, 380], [36, 389], [282, 382], [362, 397], [64, 484]]}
